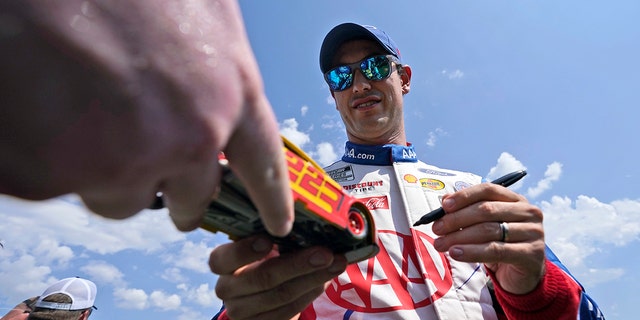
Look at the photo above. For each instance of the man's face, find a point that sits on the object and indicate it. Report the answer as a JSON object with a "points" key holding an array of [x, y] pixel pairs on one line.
{"points": [[371, 110]]}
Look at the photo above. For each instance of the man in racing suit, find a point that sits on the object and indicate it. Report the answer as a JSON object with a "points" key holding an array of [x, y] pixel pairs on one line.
{"points": [[409, 279], [485, 259]]}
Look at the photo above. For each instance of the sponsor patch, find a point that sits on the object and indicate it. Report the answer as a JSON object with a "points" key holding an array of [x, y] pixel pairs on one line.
{"points": [[433, 184], [410, 178], [373, 203], [459, 185], [403, 288], [341, 174], [351, 153], [363, 186], [437, 173]]}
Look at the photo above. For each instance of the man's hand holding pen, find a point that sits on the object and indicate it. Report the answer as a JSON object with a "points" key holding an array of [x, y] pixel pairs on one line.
{"points": [[491, 224], [505, 181]]}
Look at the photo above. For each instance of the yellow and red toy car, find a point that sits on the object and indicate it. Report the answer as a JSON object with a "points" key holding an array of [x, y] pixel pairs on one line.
{"points": [[324, 213]]}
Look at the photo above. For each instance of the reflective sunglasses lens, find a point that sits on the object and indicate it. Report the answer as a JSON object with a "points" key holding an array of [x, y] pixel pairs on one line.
{"points": [[339, 78], [376, 68]]}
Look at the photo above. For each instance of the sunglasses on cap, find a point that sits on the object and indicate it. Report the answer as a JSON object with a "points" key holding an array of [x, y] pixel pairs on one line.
{"points": [[373, 68]]}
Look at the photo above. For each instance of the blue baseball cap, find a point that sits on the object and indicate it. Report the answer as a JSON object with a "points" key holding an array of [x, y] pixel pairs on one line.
{"points": [[352, 31]]}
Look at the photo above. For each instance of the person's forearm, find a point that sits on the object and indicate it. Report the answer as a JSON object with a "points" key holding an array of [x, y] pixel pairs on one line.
{"points": [[20, 311], [556, 297]]}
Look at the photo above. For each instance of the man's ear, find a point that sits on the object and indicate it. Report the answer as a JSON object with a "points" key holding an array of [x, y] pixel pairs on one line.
{"points": [[405, 76], [85, 314]]}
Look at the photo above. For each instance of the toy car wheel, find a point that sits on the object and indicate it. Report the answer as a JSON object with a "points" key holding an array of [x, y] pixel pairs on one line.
{"points": [[358, 226]]}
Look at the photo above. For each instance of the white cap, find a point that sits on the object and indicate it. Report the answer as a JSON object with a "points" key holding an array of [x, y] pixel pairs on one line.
{"points": [[81, 291]]}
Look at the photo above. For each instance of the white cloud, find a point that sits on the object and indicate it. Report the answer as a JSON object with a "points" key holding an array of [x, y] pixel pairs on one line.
{"points": [[304, 110], [289, 129], [594, 276], [131, 298], [616, 223], [55, 236], [174, 275], [455, 74], [188, 314], [434, 135], [578, 229], [103, 272], [202, 294], [50, 251], [324, 154], [329, 122], [60, 222], [330, 100], [552, 174], [506, 163], [24, 275], [192, 256], [165, 301], [431, 141], [149, 231]]}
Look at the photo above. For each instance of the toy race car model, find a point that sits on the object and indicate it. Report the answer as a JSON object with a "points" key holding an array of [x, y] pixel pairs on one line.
{"points": [[324, 213]]}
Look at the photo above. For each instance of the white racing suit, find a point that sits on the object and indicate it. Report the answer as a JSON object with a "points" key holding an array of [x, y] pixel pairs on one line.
{"points": [[409, 279]]}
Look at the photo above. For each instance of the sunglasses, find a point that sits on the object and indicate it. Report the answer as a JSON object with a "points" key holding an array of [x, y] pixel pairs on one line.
{"points": [[373, 68]]}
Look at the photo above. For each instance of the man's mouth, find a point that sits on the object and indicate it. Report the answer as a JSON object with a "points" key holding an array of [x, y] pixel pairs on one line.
{"points": [[365, 102]]}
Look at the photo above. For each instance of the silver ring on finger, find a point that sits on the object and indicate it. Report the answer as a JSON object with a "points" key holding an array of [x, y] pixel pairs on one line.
{"points": [[504, 228]]}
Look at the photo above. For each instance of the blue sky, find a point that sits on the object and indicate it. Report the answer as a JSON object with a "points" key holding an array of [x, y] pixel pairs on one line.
{"points": [[553, 87]]}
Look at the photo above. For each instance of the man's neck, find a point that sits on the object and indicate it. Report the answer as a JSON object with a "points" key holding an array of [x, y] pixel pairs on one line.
{"points": [[400, 140]]}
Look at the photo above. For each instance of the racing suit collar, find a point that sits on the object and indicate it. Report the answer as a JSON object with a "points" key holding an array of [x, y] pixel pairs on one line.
{"points": [[378, 155]]}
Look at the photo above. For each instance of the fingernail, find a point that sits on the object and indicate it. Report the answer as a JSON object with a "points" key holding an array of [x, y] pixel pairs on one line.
{"points": [[437, 243], [185, 222], [448, 203], [281, 230], [437, 226], [456, 252], [318, 259], [261, 245]]}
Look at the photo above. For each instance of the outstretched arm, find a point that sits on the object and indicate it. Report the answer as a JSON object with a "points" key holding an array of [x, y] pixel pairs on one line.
{"points": [[118, 100]]}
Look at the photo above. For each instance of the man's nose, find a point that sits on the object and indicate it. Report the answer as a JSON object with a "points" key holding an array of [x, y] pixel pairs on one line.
{"points": [[360, 82]]}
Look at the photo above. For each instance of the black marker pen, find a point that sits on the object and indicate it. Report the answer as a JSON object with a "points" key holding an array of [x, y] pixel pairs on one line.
{"points": [[504, 181]]}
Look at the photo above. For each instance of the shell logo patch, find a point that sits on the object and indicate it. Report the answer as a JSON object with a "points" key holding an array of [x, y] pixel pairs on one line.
{"points": [[410, 178]]}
